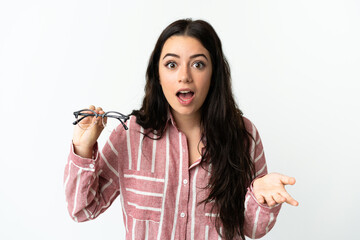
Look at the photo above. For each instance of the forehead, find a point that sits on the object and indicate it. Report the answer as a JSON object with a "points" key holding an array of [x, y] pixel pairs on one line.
{"points": [[183, 45]]}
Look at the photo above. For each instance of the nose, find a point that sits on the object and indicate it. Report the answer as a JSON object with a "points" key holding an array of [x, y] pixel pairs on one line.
{"points": [[184, 74]]}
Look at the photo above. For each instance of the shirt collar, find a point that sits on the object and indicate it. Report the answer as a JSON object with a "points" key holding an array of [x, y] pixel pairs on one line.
{"points": [[170, 119]]}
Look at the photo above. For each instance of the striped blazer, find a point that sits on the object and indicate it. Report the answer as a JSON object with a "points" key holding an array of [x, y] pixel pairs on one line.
{"points": [[158, 190]]}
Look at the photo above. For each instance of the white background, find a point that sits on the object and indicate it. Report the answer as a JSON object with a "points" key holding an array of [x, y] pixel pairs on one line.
{"points": [[295, 69]]}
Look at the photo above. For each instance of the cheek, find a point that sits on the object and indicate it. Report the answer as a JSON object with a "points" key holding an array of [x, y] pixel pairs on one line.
{"points": [[163, 77], [206, 81], [166, 80], [166, 86]]}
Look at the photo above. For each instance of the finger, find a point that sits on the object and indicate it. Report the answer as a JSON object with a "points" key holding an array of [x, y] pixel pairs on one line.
{"points": [[279, 198], [290, 200], [98, 109], [287, 180], [260, 199], [104, 119], [90, 120], [270, 201], [100, 121], [86, 121]]}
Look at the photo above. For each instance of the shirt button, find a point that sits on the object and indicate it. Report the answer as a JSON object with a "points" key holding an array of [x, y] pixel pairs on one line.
{"points": [[91, 165], [185, 181], [182, 214]]}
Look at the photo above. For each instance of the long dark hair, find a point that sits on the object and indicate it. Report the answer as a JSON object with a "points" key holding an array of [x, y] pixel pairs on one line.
{"points": [[227, 143]]}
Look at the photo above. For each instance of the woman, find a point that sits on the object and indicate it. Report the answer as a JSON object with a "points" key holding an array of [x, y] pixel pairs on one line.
{"points": [[190, 166]]}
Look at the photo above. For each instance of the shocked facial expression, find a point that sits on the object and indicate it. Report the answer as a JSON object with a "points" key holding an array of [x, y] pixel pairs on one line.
{"points": [[185, 71]]}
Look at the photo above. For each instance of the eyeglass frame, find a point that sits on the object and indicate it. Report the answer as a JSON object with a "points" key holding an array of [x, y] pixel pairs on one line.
{"points": [[106, 114]]}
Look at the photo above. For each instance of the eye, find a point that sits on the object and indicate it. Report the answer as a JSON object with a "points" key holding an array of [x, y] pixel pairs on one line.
{"points": [[171, 65], [199, 64]]}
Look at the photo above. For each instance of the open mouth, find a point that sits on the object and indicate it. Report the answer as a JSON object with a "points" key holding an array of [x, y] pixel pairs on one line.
{"points": [[185, 95]]}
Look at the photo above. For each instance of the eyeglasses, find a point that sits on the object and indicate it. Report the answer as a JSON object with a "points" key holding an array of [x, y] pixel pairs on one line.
{"points": [[87, 118]]}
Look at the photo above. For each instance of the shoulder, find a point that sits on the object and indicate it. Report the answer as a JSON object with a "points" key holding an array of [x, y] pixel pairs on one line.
{"points": [[250, 127], [134, 128]]}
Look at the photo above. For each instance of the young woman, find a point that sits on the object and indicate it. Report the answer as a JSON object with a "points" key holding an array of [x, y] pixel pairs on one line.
{"points": [[190, 166]]}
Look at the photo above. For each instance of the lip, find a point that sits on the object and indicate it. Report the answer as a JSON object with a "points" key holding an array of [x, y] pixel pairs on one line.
{"points": [[183, 101]]}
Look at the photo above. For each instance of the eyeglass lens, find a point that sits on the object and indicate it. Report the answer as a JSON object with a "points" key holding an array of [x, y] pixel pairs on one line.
{"points": [[87, 120]]}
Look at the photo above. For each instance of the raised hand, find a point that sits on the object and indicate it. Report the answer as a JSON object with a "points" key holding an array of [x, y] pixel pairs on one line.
{"points": [[270, 189], [84, 140]]}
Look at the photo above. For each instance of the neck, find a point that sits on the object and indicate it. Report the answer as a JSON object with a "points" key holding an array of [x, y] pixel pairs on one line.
{"points": [[187, 123]]}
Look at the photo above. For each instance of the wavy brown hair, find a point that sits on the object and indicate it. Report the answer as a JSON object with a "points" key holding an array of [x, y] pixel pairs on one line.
{"points": [[227, 142]]}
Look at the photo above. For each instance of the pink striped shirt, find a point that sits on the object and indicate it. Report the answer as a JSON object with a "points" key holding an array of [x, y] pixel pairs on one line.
{"points": [[158, 189]]}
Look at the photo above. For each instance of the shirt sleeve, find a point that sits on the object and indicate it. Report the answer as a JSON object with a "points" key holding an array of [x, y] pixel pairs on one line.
{"points": [[259, 218], [91, 185]]}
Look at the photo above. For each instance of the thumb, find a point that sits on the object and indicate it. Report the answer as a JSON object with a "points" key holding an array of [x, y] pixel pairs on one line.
{"points": [[286, 180]]}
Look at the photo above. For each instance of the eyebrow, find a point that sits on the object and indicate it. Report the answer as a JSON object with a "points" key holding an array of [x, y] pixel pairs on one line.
{"points": [[192, 56]]}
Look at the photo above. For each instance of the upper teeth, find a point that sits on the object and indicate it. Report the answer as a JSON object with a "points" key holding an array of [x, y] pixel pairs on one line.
{"points": [[184, 91]]}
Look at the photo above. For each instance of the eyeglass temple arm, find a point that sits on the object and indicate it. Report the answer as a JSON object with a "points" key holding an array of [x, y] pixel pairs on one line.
{"points": [[124, 125], [78, 120], [122, 115], [125, 117], [77, 113], [100, 115]]}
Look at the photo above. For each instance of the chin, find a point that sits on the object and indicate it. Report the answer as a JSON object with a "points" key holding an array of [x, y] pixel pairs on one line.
{"points": [[185, 112]]}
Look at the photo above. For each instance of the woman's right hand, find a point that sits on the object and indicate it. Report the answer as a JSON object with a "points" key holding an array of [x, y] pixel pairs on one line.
{"points": [[84, 140]]}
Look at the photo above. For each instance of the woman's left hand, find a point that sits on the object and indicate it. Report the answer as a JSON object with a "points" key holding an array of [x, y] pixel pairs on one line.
{"points": [[270, 189]]}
